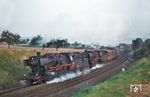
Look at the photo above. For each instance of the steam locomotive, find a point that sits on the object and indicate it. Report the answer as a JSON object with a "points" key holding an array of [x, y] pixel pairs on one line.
{"points": [[49, 66]]}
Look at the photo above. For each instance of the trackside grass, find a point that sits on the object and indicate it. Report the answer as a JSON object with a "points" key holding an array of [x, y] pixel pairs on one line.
{"points": [[11, 67], [119, 85]]}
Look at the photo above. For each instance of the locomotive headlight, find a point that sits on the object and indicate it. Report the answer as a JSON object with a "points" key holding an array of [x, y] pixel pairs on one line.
{"points": [[52, 73]]}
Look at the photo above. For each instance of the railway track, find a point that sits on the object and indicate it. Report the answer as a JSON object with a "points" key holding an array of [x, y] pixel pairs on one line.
{"points": [[53, 90], [44, 90]]}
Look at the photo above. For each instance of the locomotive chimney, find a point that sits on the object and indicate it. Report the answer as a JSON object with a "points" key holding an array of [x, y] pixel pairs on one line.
{"points": [[38, 53]]}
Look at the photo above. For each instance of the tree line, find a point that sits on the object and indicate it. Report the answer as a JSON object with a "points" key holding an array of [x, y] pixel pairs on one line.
{"points": [[37, 41], [12, 38], [141, 48]]}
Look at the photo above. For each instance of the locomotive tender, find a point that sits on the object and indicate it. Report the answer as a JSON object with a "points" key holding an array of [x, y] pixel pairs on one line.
{"points": [[49, 66]]}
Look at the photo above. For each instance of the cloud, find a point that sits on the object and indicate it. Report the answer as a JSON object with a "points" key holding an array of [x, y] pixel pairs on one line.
{"points": [[102, 21], [6, 12]]}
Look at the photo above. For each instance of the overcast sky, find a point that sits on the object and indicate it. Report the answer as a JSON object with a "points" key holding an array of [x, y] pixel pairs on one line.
{"points": [[101, 21]]}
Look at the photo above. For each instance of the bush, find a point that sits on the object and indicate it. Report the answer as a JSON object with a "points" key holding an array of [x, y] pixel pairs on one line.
{"points": [[11, 68]]}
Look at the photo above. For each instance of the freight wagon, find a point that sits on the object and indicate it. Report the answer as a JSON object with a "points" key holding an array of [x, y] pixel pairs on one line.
{"points": [[108, 55]]}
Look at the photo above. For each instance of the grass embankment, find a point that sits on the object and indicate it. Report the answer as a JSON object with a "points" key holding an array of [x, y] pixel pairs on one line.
{"points": [[11, 67], [119, 85], [11, 63]]}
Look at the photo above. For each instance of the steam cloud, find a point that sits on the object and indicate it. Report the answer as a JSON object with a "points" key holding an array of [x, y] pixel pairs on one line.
{"points": [[72, 75]]}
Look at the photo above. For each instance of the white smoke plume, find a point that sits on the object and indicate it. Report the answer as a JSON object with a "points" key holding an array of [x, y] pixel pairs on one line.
{"points": [[97, 66], [72, 75], [65, 77]]}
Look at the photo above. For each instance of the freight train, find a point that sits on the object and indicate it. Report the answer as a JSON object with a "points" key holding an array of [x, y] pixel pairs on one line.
{"points": [[49, 66]]}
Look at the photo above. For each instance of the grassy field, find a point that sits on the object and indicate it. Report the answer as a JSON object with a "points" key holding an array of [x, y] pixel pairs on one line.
{"points": [[46, 50], [11, 63], [119, 85]]}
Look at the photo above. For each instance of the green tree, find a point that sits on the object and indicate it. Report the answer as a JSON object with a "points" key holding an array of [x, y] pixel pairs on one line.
{"points": [[147, 43], [36, 40], [16, 38], [75, 44], [78, 45], [9, 38], [57, 43], [137, 43], [24, 41], [146, 48]]}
